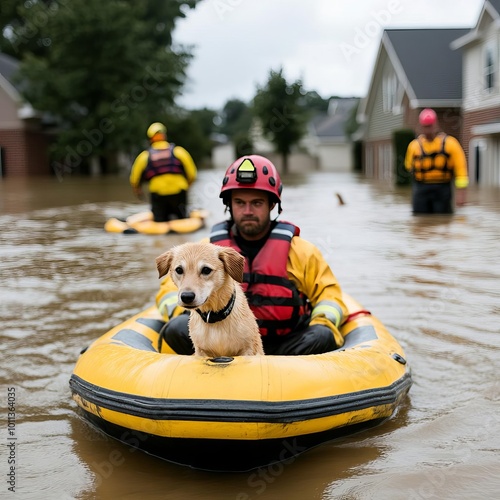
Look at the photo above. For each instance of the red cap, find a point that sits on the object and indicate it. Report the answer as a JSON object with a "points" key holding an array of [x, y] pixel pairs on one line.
{"points": [[427, 117]]}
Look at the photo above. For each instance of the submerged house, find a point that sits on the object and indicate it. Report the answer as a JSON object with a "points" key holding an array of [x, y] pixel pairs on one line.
{"points": [[479, 49], [327, 140], [414, 69], [454, 71]]}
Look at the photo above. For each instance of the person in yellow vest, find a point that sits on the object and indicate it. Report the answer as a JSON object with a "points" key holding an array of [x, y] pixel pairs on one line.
{"points": [[436, 160], [169, 170]]}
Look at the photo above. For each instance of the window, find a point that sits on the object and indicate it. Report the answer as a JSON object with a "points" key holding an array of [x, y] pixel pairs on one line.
{"points": [[489, 68], [390, 92]]}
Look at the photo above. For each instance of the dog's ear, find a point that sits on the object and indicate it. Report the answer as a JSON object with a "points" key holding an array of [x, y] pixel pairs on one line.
{"points": [[234, 263], [163, 263]]}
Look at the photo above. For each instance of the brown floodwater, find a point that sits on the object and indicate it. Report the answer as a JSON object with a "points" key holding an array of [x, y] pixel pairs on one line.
{"points": [[433, 281]]}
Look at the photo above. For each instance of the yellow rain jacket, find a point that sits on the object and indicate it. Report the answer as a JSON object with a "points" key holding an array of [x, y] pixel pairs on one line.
{"points": [[437, 161], [165, 184], [309, 272]]}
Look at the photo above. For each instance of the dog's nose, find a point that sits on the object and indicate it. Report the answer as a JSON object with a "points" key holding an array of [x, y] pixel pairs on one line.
{"points": [[187, 297]]}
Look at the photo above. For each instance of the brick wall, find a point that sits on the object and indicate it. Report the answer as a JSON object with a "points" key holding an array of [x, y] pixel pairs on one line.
{"points": [[37, 153], [24, 153], [449, 119]]}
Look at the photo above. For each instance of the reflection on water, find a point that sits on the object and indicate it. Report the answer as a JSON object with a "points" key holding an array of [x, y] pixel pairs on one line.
{"points": [[434, 282]]}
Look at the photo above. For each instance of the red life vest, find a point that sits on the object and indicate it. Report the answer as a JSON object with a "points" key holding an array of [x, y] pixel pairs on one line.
{"points": [[275, 301], [162, 161]]}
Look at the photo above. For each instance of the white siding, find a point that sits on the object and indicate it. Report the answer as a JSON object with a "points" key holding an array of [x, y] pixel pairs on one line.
{"points": [[334, 157], [385, 162], [9, 118], [475, 97], [381, 123]]}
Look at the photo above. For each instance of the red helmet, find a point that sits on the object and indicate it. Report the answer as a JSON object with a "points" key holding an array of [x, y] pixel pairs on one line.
{"points": [[252, 172]]}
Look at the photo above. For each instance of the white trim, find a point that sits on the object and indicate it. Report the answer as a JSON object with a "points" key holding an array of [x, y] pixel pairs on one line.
{"points": [[464, 40], [10, 89], [26, 111], [285, 232], [387, 47], [361, 114], [435, 103], [486, 129], [475, 35], [398, 68]]}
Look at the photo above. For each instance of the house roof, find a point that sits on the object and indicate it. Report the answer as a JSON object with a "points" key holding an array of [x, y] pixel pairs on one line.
{"points": [[491, 8], [425, 62], [429, 71], [8, 66], [496, 5], [332, 124]]}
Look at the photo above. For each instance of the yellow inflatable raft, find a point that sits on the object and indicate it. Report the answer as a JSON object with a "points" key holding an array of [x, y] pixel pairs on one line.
{"points": [[143, 223], [237, 413]]}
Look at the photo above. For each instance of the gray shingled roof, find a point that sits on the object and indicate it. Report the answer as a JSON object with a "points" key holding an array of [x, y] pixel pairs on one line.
{"points": [[333, 124], [8, 66], [434, 71]]}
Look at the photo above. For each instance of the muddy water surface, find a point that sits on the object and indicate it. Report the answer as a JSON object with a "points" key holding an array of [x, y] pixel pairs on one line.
{"points": [[434, 282]]}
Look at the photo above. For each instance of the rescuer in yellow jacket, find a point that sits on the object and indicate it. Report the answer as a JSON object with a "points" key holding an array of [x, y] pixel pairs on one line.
{"points": [[435, 160], [291, 289], [169, 170]]}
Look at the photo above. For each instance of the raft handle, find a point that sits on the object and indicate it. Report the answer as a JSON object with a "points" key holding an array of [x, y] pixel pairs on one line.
{"points": [[399, 358], [221, 359], [361, 312]]}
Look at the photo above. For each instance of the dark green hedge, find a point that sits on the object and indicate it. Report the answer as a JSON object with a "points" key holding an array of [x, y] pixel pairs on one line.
{"points": [[400, 140], [357, 152]]}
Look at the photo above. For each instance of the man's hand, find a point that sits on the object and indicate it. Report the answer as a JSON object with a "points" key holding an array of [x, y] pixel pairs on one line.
{"points": [[138, 192], [460, 197]]}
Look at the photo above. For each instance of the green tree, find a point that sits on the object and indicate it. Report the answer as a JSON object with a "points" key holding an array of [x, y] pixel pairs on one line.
{"points": [[236, 118], [24, 23], [278, 107], [206, 119], [21, 22], [192, 130], [314, 103], [236, 123], [107, 72]]}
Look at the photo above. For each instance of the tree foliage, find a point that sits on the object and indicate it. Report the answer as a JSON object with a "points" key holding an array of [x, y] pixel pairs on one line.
{"points": [[103, 70], [278, 107], [193, 131], [24, 24], [314, 103], [236, 118]]}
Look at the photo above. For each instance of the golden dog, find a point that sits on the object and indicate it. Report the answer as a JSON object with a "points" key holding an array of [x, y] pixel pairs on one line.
{"points": [[207, 276]]}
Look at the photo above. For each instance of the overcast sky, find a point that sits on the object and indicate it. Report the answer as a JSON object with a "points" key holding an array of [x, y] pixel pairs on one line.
{"points": [[330, 45]]}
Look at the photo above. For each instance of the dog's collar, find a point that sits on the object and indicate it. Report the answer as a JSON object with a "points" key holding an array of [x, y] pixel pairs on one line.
{"points": [[215, 316]]}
